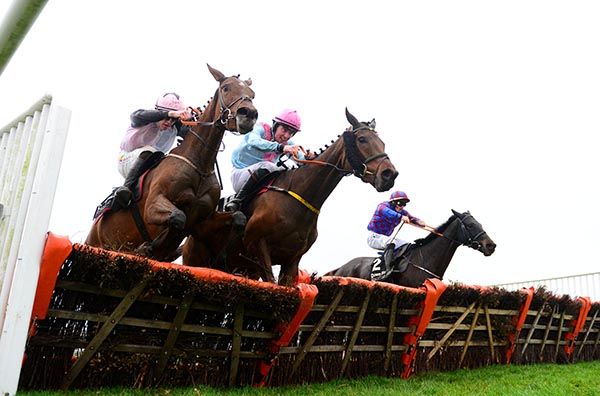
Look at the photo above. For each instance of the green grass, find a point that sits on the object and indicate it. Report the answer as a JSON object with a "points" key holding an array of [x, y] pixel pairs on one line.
{"points": [[542, 379]]}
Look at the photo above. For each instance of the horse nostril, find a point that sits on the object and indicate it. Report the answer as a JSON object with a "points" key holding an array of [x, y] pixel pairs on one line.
{"points": [[389, 175], [247, 112]]}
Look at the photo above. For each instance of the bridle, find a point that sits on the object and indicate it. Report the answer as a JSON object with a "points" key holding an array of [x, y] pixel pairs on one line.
{"points": [[224, 109], [222, 120], [355, 158], [471, 241]]}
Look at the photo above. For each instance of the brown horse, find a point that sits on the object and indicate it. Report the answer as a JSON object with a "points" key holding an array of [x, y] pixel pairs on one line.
{"points": [[282, 222], [183, 189]]}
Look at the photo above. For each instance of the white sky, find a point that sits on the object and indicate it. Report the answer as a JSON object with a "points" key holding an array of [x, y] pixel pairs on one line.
{"points": [[484, 106]]}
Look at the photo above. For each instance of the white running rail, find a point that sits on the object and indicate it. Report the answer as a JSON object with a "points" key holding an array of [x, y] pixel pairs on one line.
{"points": [[584, 285], [31, 150]]}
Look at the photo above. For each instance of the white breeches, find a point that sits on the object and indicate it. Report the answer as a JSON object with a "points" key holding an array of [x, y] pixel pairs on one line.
{"points": [[128, 158], [380, 241], [239, 177]]}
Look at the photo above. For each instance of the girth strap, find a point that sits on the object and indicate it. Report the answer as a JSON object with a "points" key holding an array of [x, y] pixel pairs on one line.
{"points": [[139, 222], [297, 197]]}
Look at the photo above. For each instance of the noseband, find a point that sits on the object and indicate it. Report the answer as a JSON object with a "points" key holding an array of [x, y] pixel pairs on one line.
{"points": [[472, 241], [355, 158], [225, 110], [226, 114]]}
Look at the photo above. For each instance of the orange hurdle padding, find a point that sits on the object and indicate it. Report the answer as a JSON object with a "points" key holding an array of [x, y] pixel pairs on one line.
{"points": [[308, 294], [433, 289], [347, 280], [519, 321], [577, 325], [208, 274], [56, 251]]}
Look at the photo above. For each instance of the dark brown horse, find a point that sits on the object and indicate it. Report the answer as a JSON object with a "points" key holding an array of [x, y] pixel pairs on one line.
{"points": [[183, 189], [282, 222], [428, 257]]}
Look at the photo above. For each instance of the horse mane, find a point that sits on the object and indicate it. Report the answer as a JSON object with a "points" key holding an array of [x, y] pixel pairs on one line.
{"points": [[431, 236], [326, 146]]}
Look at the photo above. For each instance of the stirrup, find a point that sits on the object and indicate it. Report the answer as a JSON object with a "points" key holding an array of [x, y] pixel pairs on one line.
{"points": [[233, 206], [122, 199]]}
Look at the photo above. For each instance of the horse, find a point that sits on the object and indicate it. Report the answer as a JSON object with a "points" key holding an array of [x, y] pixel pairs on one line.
{"points": [[428, 257], [182, 190], [282, 220]]}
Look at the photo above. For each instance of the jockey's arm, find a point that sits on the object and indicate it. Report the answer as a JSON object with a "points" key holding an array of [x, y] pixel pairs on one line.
{"points": [[255, 140], [143, 117]]}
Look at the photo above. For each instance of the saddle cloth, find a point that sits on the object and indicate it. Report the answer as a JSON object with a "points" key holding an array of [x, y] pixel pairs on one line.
{"points": [[399, 263]]}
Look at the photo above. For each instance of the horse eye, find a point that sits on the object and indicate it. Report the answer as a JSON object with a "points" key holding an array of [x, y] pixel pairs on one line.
{"points": [[362, 139], [469, 225]]}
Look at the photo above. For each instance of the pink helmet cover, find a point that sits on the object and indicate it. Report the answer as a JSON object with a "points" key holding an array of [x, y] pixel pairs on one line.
{"points": [[169, 101], [289, 118]]}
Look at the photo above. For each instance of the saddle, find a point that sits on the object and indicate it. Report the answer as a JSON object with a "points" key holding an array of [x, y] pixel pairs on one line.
{"points": [[261, 185], [399, 264]]}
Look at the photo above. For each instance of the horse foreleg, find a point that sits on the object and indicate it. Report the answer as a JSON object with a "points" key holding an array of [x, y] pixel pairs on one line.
{"points": [[289, 273], [264, 259], [195, 253], [162, 212]]}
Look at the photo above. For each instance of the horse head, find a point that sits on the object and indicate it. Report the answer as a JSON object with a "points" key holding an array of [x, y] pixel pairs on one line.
{"points": [[236, 111], [473, 235], [366, 156]]}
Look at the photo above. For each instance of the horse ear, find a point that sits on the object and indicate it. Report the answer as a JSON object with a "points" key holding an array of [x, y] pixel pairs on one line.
{"points": [[216, 74], [372, 124], [455, 212], [248, 82], [351, 119]]}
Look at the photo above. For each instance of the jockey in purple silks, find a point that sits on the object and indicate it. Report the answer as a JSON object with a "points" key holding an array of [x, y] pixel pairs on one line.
{"points": [[386, 218]]}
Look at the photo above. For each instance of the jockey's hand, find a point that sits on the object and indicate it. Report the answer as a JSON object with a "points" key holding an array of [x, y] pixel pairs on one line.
{"points": [[293, 150], [185, 114], [310, 155], [406, 219]]}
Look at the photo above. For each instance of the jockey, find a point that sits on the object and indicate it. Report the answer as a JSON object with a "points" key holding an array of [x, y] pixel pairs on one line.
{"points": [[385, 219], [257, 154], [150, 131]]}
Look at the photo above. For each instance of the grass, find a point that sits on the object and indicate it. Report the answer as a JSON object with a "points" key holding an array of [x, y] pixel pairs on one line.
{"points": [[543, 379]]}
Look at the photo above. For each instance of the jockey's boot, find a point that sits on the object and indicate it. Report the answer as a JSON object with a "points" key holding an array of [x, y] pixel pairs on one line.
{"points": [[247, 190], [123, 194], [388, 256]]}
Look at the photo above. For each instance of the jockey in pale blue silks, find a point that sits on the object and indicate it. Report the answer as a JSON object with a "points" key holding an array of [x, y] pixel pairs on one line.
{"points": [[257, 154], [386, 218]]}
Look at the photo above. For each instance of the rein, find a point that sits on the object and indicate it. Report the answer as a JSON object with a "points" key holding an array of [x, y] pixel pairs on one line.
{"points": [[472, 241], [359, 166], [225, 110], [225, 116]]}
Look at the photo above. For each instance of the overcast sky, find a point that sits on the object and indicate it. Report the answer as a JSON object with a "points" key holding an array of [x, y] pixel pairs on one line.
{"points": [[484, 106]]}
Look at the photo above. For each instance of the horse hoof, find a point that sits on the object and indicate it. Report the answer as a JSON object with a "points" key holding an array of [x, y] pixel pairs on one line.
{"points": [[239, 220], [177, 220], [145, 249]]}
